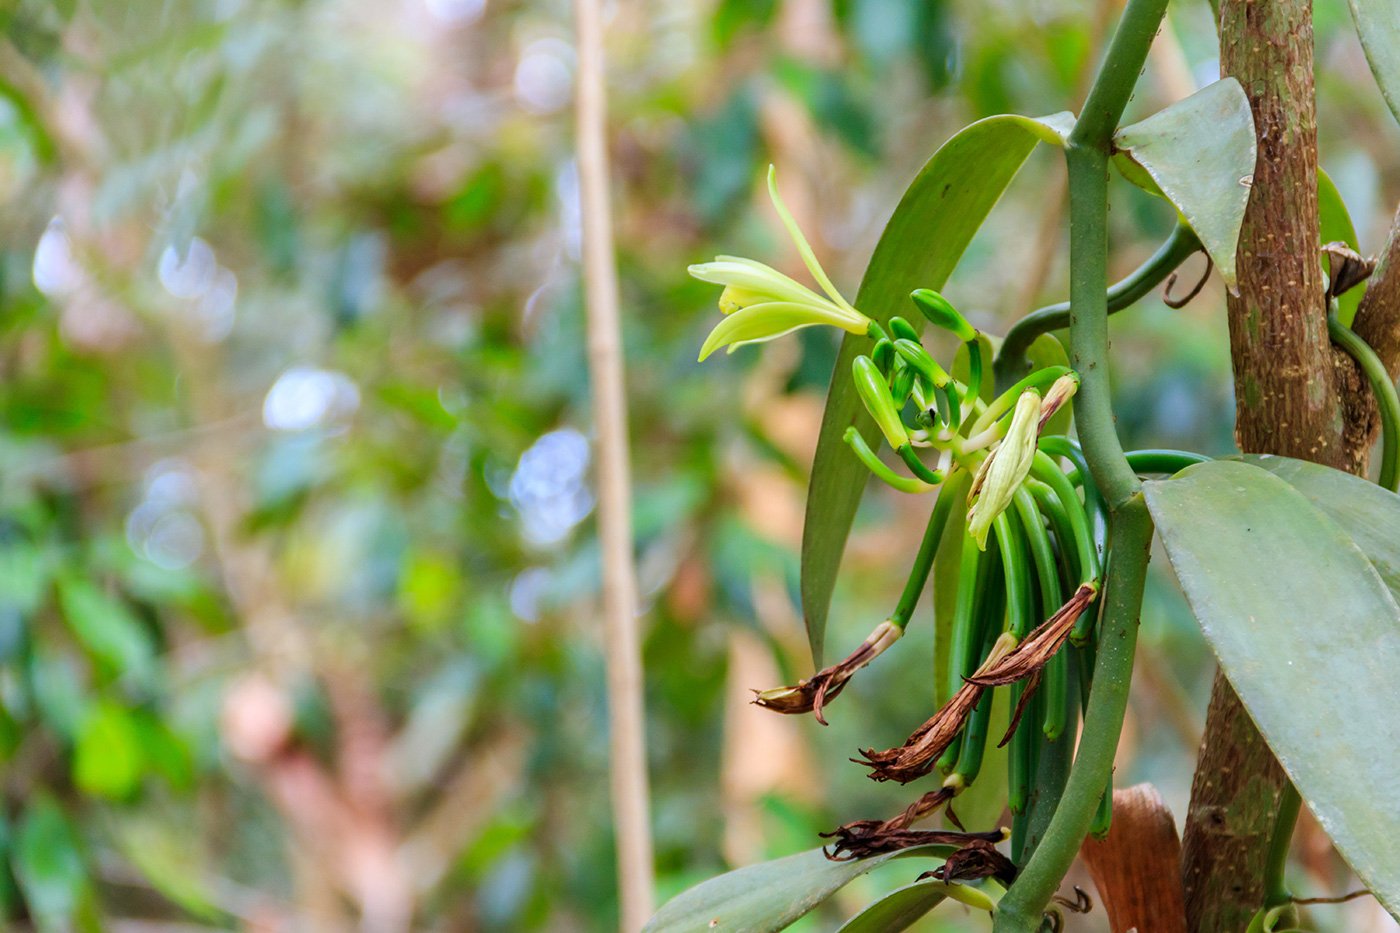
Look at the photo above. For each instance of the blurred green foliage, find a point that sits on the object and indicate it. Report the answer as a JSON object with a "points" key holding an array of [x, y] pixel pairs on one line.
{"points": [[297, 569]]}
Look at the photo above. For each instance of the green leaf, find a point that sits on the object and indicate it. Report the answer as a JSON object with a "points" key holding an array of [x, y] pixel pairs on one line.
{"points": [[1335, 226], [48, 864], [767, 897], [899, 909], [1365, 512], [1305, 630], [1199, 154], [923, 241], [1378, 24], [107, 760]]}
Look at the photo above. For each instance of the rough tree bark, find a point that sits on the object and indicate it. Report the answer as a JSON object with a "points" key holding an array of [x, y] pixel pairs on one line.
{"points": [[1286, 404], [1295, 396]]}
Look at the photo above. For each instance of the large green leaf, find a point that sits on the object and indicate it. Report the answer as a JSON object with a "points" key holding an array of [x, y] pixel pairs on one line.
{"points": [[1335, 226], [1365, 512], [923, 241], [899, 909], [1308, 635], [767, 897], [1199, 154], [1378, 23]]}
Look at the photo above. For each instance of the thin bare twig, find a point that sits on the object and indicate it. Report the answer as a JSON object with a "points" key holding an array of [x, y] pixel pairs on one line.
{"points": [[624, 664]]}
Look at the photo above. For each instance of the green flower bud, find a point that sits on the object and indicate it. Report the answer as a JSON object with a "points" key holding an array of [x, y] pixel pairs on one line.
{"points": [[903, 330], [875, 395], [942, 314]]}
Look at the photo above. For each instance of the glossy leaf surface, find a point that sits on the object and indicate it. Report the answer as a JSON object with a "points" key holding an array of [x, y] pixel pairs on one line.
{"points": [[767, 897], [1199, 154], [1378, 24], [1309, 637], [899, 909]]}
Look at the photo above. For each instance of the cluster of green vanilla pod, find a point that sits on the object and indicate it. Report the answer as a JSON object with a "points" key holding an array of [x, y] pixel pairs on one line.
{"points": [[1029, 566]]}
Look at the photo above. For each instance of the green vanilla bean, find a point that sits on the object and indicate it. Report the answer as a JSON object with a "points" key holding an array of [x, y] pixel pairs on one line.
{"points": [[978, 574], [875, 465], [1173, 252], [953, 490], [1026, 761], [1018, 776], [1049, 505], [1086, 548], [910, 456], [1056, 677], [1045, 470], [1130, 524], [1387, 399], [1011, 544], [1057, 445], [1052, 768], [974, 744]]}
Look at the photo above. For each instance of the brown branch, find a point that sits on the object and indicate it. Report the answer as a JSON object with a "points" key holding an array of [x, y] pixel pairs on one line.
{"points": [[1286, 403]]}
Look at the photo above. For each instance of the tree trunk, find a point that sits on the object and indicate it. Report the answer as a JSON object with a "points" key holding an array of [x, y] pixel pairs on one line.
{"points": [[1286, 404]]}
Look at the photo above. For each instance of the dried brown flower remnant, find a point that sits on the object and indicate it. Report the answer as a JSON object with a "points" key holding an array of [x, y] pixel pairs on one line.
{"points": [[869, 835], [1346, 268], [979, 858], [917, 755], [1040, 645], [853, 847], [812, 694]]}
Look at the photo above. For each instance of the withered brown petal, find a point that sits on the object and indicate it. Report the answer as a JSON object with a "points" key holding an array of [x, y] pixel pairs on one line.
{"points": [[1346, 268], [812, 694], [1032, 683], [917, 755], [852, 845], [979, 858], [1040, 645]]}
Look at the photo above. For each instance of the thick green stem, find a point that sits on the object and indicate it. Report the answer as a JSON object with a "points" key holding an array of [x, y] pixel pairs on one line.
{"points": [[1130, 525], [1011, 358], [1021, 910]]}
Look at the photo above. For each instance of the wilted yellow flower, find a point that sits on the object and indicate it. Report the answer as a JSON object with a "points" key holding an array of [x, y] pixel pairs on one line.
{"points": [[1002, 473]]}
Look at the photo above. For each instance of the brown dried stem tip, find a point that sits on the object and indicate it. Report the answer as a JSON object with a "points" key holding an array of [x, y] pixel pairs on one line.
{"points": [[1006, 663], [810, 695]]}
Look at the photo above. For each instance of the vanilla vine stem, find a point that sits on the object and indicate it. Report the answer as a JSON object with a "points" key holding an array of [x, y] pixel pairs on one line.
{"points": [[1130, 526]]}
